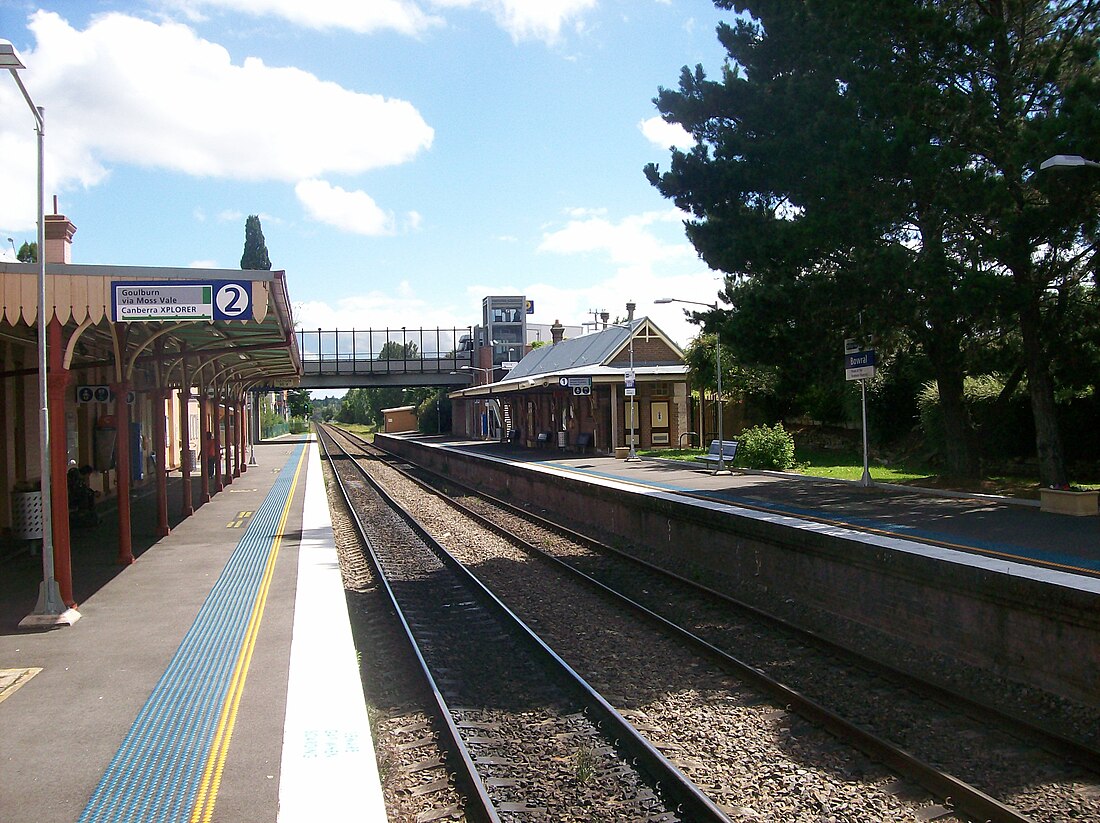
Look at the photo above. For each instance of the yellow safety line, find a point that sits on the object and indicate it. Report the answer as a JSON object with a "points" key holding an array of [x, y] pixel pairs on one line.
{"points": [[203, 809]]}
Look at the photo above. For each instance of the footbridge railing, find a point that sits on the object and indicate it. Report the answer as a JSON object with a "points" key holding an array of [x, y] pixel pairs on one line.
{"points": [[379, 357]]}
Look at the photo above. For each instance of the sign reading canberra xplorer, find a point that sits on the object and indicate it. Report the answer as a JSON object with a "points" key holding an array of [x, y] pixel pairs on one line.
{"points": [[181, 300]]}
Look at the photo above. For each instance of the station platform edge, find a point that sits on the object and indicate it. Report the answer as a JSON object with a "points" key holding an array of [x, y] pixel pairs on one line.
{"points": [[215, 679]]}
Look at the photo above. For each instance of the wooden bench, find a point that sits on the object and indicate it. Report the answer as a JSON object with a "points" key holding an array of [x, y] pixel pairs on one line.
{"points": [[584, 442], [727, 448]]}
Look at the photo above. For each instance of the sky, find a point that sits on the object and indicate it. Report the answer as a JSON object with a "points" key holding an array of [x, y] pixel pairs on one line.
{"points": [[406, 157]]}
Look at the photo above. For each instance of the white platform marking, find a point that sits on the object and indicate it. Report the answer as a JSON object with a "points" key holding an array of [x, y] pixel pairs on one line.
{"points": [[329, 770]]}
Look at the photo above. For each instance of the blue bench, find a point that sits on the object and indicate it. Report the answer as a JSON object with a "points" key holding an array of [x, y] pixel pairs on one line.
{"points": [[727, 448], [584, 442]]}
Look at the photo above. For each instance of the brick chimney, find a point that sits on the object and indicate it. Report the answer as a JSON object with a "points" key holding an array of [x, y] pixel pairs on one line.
{"points": [[557, 331], [59, 237], [630, 306]]}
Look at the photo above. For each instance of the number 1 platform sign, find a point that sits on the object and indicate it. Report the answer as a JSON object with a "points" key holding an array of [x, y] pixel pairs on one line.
{"points": [[181, 300]]}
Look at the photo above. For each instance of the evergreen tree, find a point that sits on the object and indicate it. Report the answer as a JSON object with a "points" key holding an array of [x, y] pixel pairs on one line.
{"points": [[392, 350], [840, 176], [28, 253], [299, 402], [255, 256]]}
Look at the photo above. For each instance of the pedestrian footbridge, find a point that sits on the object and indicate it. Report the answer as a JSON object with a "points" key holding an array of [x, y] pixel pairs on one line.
{"points": [[361, 358]]}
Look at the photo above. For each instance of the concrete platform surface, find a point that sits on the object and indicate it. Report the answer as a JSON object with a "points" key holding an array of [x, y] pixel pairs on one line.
{"points": [[69, 697], [993, 526]]}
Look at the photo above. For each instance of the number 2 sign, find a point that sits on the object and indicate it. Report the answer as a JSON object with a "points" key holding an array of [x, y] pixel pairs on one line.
{"points": [[233, 300]]}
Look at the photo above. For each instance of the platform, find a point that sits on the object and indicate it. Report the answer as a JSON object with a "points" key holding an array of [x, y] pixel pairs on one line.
{"points": [[985, 525], [213, 679]]}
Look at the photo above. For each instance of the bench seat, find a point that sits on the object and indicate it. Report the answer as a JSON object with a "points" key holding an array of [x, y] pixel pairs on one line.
{"points": [[727, 448]]}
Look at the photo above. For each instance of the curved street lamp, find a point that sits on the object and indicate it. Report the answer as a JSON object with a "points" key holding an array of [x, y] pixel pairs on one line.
{"points": [[50, 607], [1067, 161], [721, 469]]}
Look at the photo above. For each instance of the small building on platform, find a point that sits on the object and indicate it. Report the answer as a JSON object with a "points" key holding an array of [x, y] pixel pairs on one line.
{"points": [[593, 392], [399, 419]]}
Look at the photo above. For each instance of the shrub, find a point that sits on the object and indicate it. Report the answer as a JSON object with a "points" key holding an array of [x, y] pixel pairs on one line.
{"points": [[1003, 428], [766, 447]]}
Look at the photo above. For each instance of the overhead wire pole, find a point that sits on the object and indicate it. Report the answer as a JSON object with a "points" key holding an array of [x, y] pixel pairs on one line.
{"points": [[50, 608]]}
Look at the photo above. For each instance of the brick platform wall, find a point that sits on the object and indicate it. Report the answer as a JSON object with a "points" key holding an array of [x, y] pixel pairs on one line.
{"points": [[1035, 633]]}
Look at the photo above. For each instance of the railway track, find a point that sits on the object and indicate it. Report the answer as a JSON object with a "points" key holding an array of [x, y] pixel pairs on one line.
{"points": [[524, 735], [1035, 776]]}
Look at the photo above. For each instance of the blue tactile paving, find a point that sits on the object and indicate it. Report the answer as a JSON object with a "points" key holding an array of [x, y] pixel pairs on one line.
{"points": [[156, 774]]}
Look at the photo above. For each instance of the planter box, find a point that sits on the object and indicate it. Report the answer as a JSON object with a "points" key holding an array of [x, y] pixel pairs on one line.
{"points": [[1063, 501], [622, 452]]}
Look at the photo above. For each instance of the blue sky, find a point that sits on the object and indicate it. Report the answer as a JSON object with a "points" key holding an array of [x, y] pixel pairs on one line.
{"points": [[406, 157]]}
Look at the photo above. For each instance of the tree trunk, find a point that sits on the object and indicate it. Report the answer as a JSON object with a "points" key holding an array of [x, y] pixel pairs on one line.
{"points": [[960, 453], [1040, 386]]}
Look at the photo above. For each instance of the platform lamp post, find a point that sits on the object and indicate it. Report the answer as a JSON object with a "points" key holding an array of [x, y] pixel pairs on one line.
{"points": [[50, 609], [253, 424], [721, 469], [631, 454]]}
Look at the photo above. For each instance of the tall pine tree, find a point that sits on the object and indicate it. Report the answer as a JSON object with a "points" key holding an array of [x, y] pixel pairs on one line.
{"points": [[872, 158], [255, 250]]}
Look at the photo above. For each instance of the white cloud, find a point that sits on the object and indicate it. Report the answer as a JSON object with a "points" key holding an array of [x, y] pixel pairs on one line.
{"points": [[362, 16], [377, 309], [130, 91], [352, 211], [663, 134], [631, 241], [522, 19], [530, 19]]}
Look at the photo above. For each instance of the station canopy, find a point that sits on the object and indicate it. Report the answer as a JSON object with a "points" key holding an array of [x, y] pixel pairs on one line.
{"points": [[255, 346]]}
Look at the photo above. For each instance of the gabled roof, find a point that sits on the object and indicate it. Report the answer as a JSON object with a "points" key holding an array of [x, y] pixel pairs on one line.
{"points": [[592, 350], [595, 355]]}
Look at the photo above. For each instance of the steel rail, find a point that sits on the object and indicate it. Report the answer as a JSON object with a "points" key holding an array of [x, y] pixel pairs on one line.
{"points": [[665, 777], [1086, 755], [479, 804], [954, 793]]}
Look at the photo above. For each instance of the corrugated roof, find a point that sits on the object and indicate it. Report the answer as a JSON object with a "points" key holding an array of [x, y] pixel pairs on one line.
{"points": [[588, 350], [589, 355]]}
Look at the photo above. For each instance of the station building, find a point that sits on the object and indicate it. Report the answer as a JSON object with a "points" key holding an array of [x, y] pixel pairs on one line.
{"points": [[576, 393], [133, 393]]}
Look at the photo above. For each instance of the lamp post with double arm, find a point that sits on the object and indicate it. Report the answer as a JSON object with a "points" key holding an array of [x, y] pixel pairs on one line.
{"points": [[718, 363]]}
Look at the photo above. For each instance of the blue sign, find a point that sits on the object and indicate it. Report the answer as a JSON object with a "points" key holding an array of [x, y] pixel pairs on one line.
{"points": [[529, 305], [181, 300], [859, 360]]}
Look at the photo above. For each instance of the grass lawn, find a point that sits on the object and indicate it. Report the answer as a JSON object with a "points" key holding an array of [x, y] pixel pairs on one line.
{"points": [[361, 429], [849, 466]]}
